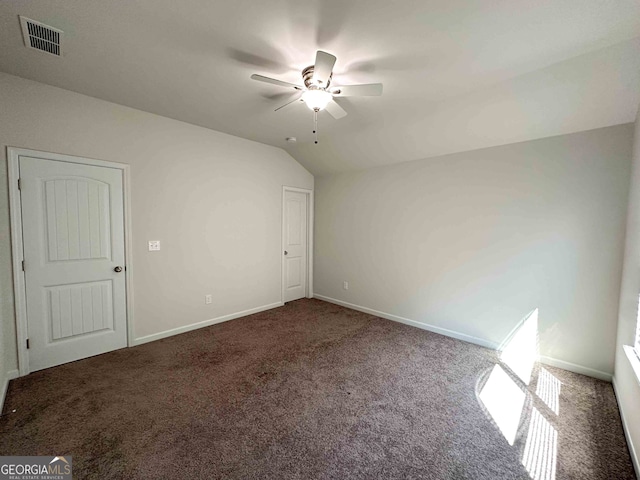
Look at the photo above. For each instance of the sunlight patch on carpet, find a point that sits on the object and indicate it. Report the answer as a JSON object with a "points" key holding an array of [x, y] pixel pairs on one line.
{"points": [[504, 401], [540, 451], [548, 390]]}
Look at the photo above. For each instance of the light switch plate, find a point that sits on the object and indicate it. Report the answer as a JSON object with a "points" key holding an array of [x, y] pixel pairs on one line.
{"points": [[154, 245]]}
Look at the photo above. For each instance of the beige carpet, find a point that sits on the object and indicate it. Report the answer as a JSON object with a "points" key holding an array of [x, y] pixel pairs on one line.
{"points": [[313, 390]]}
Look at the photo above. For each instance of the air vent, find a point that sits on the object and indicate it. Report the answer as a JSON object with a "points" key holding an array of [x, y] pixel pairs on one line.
{"points": [[41, 37]]}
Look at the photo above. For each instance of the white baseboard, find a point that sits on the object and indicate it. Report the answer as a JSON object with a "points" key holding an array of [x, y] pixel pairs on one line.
{"points": [[424, 326], [10, 375], [632, 450], [572, 367], [206, 323]]}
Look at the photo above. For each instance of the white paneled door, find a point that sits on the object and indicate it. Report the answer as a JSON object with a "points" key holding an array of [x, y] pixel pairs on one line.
{"points": [[73, 235], [295, 245]]}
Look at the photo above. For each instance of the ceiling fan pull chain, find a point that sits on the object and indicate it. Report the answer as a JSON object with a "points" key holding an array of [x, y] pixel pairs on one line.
{"points": [[315, 125]]}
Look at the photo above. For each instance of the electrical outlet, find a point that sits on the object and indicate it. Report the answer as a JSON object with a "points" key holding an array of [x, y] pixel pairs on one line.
{"points": [[345, 285], [208, 299], [154, 245]]}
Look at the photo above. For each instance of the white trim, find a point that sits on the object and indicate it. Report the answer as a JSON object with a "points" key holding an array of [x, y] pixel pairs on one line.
{"points": [[206, 323], [572, 367], [632, 356], [10, 375], [632, 450], [20, 303], [424, 326], [15, 208], [128, 252], [310, 210]]}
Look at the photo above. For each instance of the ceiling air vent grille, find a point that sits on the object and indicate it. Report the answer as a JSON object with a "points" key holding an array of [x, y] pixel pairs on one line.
{"points": [[41, 37]]}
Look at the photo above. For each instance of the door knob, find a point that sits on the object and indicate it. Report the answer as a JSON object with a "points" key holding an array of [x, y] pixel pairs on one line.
{"points": [[118, 269], [286, 253]]}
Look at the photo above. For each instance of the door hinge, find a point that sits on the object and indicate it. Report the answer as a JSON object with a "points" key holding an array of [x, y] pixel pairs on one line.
{"points": [[27, 343], [19, 184], [23, 265]]}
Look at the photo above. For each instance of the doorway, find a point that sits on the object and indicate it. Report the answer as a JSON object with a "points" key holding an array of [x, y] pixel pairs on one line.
{"points": [[68, 217], [297, 243]]}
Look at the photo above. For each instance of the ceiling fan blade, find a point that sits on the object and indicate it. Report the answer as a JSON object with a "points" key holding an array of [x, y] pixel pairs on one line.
{"points": [[335, 110], [297, 99], [323, 67], [273, 81], [368, 90]]}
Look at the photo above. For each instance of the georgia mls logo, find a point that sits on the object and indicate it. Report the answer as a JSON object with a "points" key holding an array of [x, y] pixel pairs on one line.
{"points": [[63, 463], [35, 468]]}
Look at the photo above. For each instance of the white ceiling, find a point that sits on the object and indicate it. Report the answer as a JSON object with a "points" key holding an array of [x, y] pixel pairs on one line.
{"points": [[458, 74]]}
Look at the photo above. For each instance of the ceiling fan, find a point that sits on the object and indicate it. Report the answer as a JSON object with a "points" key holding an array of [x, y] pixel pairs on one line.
{"points": [[318, 93]]}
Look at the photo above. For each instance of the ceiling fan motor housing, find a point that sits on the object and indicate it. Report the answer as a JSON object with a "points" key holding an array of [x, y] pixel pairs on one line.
{"points": [[307, 77]]}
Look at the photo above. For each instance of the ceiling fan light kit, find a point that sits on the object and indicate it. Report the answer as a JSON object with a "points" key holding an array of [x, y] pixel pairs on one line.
{"points": [[316, 93], [316, 99]]}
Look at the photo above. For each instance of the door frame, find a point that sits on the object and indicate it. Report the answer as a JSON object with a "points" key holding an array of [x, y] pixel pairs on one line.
{"points": [[17, 254], [309, 193]]}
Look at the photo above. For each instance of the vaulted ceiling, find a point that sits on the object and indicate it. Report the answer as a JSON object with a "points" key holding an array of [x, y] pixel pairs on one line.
{"points": [[458, 75]]}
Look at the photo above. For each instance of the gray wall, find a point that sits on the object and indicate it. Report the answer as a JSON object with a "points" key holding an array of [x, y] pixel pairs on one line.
{"points": [[473, 242], [213, 200], [626, 381]]}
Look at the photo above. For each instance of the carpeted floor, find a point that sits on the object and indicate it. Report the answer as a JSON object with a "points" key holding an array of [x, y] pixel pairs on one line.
{"points": [[310, 390]]}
